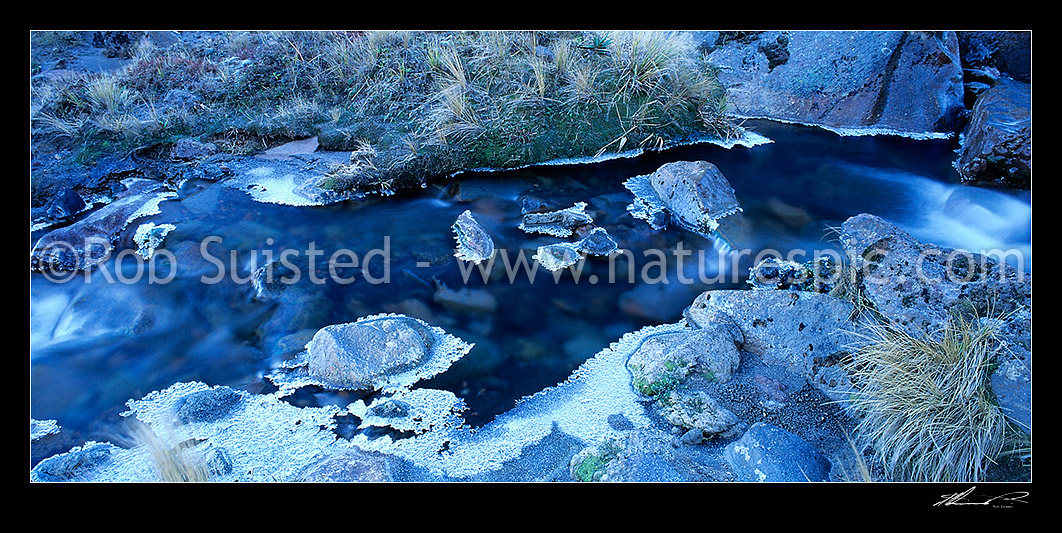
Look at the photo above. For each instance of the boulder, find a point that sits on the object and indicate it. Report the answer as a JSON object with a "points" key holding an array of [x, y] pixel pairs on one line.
{"points": [[918, 286], [805, 332], [908, 82], [387, 352], [1005, 52], [88, 242], [766, 453], [997, 142]]}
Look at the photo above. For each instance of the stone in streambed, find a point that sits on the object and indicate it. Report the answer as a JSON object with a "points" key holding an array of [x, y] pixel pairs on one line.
{"points": [[380, 352]]}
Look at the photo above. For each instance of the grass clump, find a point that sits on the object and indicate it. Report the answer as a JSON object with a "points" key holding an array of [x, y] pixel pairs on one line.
{"points": [[430, 102], [172, 463], [927, 409]]}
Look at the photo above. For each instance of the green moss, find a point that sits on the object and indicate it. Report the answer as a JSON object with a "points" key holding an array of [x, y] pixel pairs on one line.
{"points": [[593, 464]]}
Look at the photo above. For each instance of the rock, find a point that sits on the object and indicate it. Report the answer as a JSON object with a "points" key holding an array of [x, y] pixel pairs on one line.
{"points": [[74, 465], [597, 242], [920, 286], [377, 352], [766, 453], [902, 81], [473, 242], [1007, 52], [696, 410], [562, 223], [805, 332], [351, 465], [557, 256], [997, 142], [693, 194], [191, 149], [89, 241], [66, 204], [209, 405], [665, 361], [288, 150], [771, 273]]}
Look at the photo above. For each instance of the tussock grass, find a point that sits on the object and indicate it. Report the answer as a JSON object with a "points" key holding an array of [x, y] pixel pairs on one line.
{"points": [[926, 406], [431, 102], [172, 462]]}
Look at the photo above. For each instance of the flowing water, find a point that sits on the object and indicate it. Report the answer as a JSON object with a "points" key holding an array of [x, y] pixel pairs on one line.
{"points": [[99, 340]]}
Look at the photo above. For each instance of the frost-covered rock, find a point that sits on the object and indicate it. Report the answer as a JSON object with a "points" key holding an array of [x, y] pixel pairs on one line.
{"points": [[697, 410], [557, 256], [663, 362], [766, 453], [385, 352], [691, 194], [562, 223], [806, 332], [473, 242], [90, 241], [918, 286], [597, 242]]}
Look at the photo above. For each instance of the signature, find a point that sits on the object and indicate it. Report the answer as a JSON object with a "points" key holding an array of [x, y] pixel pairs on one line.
{"points": [[1003, 500]]}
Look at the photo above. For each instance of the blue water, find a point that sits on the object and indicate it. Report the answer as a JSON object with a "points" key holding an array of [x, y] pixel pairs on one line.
{"points": [[94, 344]]}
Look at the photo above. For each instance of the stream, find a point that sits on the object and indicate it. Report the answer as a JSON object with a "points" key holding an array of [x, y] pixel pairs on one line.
{"points": [[117, 334]]}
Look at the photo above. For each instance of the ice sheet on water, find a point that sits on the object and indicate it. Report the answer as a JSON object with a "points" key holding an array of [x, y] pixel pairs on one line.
{"points": [[149, 236], [265, 438], [418, 411], [42, 428]]}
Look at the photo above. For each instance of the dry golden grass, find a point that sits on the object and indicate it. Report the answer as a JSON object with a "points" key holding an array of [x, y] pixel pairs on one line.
{"points": [[928, 411]]}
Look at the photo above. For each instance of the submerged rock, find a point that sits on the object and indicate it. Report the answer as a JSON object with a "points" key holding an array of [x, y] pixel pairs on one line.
{"points": [[465, 299], [562, 223], [694, 195], [473, 242]]}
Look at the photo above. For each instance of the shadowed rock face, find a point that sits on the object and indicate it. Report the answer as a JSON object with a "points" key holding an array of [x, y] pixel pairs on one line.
{"points": [[885, 80], [997, 146]]}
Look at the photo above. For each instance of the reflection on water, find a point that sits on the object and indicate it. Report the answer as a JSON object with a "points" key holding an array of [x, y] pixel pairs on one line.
{"points": [[95, 344]]}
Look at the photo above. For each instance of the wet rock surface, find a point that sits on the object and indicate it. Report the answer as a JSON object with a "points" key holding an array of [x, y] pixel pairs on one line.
{"points": [[997, 142]]}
